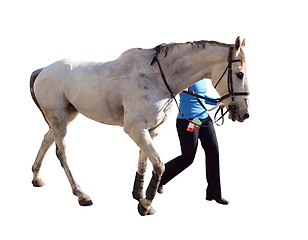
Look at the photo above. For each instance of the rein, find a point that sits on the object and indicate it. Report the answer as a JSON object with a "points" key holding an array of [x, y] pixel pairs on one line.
{"points": [[215, 100], [231, 93]]}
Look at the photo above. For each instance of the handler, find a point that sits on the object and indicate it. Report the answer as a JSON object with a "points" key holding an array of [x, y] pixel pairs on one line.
{"points": [[188, 137]]}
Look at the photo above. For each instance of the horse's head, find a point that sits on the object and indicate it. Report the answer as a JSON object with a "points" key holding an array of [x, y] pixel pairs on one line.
{"points": [[231, 82]]}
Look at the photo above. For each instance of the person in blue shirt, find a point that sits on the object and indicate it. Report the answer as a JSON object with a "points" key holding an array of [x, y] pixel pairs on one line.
{"points": [[191, 108]]}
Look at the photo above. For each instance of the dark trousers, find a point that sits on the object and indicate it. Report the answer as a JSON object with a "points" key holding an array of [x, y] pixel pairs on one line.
{"points": [[189, 143]]}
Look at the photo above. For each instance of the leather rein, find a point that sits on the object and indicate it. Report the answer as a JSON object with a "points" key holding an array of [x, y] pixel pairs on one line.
{"points": [[231, 93]]}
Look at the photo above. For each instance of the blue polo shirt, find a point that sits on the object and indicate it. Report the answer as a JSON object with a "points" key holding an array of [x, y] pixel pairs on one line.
{"points": [[189, 105]]}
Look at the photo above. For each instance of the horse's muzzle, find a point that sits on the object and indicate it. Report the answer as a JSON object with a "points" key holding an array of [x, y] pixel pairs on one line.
{"points": [[246, 115], [235, 115]]}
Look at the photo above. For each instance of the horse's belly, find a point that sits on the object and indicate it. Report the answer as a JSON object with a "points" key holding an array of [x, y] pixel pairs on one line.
{"points": [[100, 109], [103, 115], [95, 99], [103, 119]]}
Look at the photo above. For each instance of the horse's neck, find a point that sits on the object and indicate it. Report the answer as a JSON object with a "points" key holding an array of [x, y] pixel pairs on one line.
{"points": [[185, 67]]}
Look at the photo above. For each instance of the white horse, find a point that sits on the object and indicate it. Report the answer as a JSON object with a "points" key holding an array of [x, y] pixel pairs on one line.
{"points": [[130, 92]]}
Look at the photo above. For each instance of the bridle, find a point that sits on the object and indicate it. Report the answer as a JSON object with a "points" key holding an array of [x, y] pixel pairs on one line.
{"points": [[231, 93], [231, 107]]}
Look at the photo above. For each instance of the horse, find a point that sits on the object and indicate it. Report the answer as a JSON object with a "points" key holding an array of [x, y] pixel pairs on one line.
{"points": [[136, 92]]}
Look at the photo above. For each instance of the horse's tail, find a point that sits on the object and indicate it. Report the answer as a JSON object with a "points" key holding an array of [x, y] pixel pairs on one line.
{"points": [[32, 80]]}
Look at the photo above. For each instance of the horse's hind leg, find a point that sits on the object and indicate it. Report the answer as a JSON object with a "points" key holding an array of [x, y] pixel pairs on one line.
{"points": [[58, 122], [47, 142]]}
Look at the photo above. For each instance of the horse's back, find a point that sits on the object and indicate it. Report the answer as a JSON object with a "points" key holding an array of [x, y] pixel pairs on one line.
{"points": [[123, 68]]}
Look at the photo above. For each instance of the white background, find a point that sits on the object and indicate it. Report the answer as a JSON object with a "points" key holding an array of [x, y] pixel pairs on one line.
{"points": [[263, 160]]}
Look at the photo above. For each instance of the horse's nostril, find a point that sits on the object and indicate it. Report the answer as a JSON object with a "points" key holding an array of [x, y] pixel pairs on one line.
{"points": [[246, 115]]}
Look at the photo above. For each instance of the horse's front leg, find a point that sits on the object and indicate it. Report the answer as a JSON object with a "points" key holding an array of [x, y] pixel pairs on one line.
{"points": [[139, 179], [141, 136]]}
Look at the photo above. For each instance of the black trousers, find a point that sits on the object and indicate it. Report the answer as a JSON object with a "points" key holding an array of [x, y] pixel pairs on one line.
{"points": [[189, 143]]}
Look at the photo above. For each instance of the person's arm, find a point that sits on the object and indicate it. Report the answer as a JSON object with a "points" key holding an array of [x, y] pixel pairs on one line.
{"points": [[208, 102]]}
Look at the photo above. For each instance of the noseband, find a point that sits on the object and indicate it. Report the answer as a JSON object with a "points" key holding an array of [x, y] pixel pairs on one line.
{"points": [[231, 93]]}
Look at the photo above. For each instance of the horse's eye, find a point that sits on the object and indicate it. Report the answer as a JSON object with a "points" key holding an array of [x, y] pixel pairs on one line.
{"points": [[240, 75]]}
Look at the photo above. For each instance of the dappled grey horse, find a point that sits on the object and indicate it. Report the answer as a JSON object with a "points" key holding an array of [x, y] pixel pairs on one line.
{"points": [[135, 92]]}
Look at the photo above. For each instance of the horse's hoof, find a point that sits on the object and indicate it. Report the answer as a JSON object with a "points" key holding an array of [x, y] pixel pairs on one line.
{"points": [[143, 211], [38, 182], [85, 202], [151, 211]]}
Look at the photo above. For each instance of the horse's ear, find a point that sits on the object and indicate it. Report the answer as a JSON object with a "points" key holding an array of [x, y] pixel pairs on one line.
{"points": [[243, 44], [237, 46]]}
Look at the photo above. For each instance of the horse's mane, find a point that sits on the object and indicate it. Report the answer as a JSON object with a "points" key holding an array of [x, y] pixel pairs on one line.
{"points": [[166, 48]]}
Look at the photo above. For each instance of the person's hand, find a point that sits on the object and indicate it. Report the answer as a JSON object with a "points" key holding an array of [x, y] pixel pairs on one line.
{"points": [[186, 89], [221, 105]]}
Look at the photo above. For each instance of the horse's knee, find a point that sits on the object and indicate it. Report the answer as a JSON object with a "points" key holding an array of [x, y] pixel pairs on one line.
{"points": [[159, 168]]}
